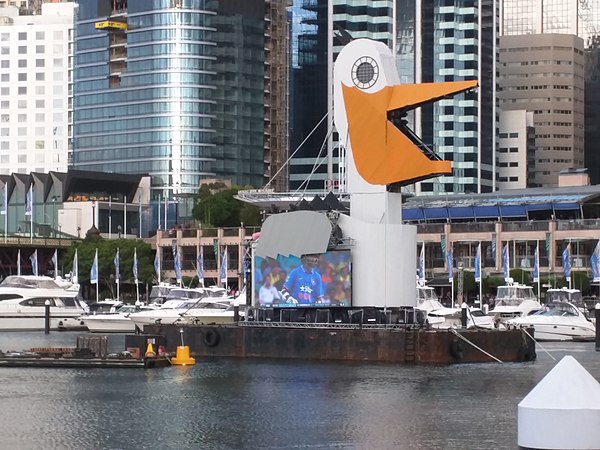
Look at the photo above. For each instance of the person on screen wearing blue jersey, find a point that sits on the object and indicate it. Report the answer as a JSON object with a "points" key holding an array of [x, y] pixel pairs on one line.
{"points": [[303, 285]]}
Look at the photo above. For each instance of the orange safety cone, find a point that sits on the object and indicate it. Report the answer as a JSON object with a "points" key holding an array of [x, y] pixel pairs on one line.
{"points": [[150, 351]]}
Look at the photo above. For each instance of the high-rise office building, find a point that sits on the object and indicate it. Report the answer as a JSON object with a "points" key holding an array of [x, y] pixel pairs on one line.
{"points": [[433, 41], [182, 90], [320, 28], [309, 102], [578, 17], [516, 150], [539, 16], [35, 88], [250, 99], [544, 74], [455, 41], [592, 111]]}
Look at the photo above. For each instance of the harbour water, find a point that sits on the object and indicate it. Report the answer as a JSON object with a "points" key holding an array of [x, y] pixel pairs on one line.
{"points": [[268, 404]]}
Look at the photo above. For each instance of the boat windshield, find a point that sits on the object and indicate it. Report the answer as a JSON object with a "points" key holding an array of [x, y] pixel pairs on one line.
{"points": [[177, 304], [216, 292], [159, 291], [212, 305], [185, 294], [127, 309], [560, 295], [557, 309], [514, 295], [425, 293]]}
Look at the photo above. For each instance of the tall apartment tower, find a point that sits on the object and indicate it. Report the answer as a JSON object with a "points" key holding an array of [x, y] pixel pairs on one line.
{"points": [[35, 89], [181, 90], [577, 17], [592, 111], [320, 29], [454, 41], [544, 74]]}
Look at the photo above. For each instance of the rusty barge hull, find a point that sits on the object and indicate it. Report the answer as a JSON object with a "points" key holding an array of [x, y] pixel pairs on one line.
{"points": [[391, 345]]}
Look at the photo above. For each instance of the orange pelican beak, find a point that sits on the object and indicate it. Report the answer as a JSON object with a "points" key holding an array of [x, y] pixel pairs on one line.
{"points": [[384, 149]]}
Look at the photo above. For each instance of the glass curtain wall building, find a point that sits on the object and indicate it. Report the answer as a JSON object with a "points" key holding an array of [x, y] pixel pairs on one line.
{"points": [[144, 90], [320, 28], [308, 74], [454, 40], [239, 95], [578, 17]]}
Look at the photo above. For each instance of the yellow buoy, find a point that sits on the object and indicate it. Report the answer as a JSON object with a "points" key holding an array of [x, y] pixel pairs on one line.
{"points": [[150, 351], [182, 357]]}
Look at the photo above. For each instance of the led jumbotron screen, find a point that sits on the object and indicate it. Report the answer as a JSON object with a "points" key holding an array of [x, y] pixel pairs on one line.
{"points": [[316, 280]]}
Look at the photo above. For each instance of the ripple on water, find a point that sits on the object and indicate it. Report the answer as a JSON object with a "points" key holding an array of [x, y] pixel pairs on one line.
{"points": [[231, 404]]}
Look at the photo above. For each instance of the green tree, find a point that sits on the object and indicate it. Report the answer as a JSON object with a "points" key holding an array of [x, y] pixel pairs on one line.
{"points": [[521, 276], [107, 250], [216, 206]]}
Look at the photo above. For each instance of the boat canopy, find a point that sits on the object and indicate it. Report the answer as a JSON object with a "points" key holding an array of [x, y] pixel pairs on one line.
{"points": [[29, 282]]}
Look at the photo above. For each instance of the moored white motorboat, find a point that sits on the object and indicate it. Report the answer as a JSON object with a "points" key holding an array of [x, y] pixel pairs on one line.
{"points": [[558, 321], [211, 311], [169, 313], [572, 296], [514, 300], [114, 322], [439, 316], [428, 301], [101, 307], [23, 302], [159, 293]]}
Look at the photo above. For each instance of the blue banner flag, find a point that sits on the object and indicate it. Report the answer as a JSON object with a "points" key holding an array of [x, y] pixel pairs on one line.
{"points": [[200, 270], [478, 264], [177, 263], [595, 263], [450, 258], [566, 257], [55, 263], [224, 267], [536, 264], [117, 271], [595, 269], [494, 250], [34, 263], [505, 262], [94, 270], [5, 199], [75, 269], [422, 263], [29, 201], [157, 263], [135, 265]]}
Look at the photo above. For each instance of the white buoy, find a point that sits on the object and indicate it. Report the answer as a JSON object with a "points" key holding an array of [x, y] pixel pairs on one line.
{"points": [[562, 411]]}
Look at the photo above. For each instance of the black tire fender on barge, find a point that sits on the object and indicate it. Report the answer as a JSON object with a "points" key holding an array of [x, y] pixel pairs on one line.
{"points": [[526, 353], [211, 337], [456, 349]]}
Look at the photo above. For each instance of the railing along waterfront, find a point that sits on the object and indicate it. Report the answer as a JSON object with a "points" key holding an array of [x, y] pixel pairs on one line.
{"points": [[582, 224], [355, 326], [36, 241], [425, 228], [472, 227], [530, 225]]}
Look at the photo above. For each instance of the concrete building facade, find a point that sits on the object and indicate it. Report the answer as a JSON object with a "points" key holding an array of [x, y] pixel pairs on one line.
{"points": [[516, 144], [36, 89], [544, 74]]}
